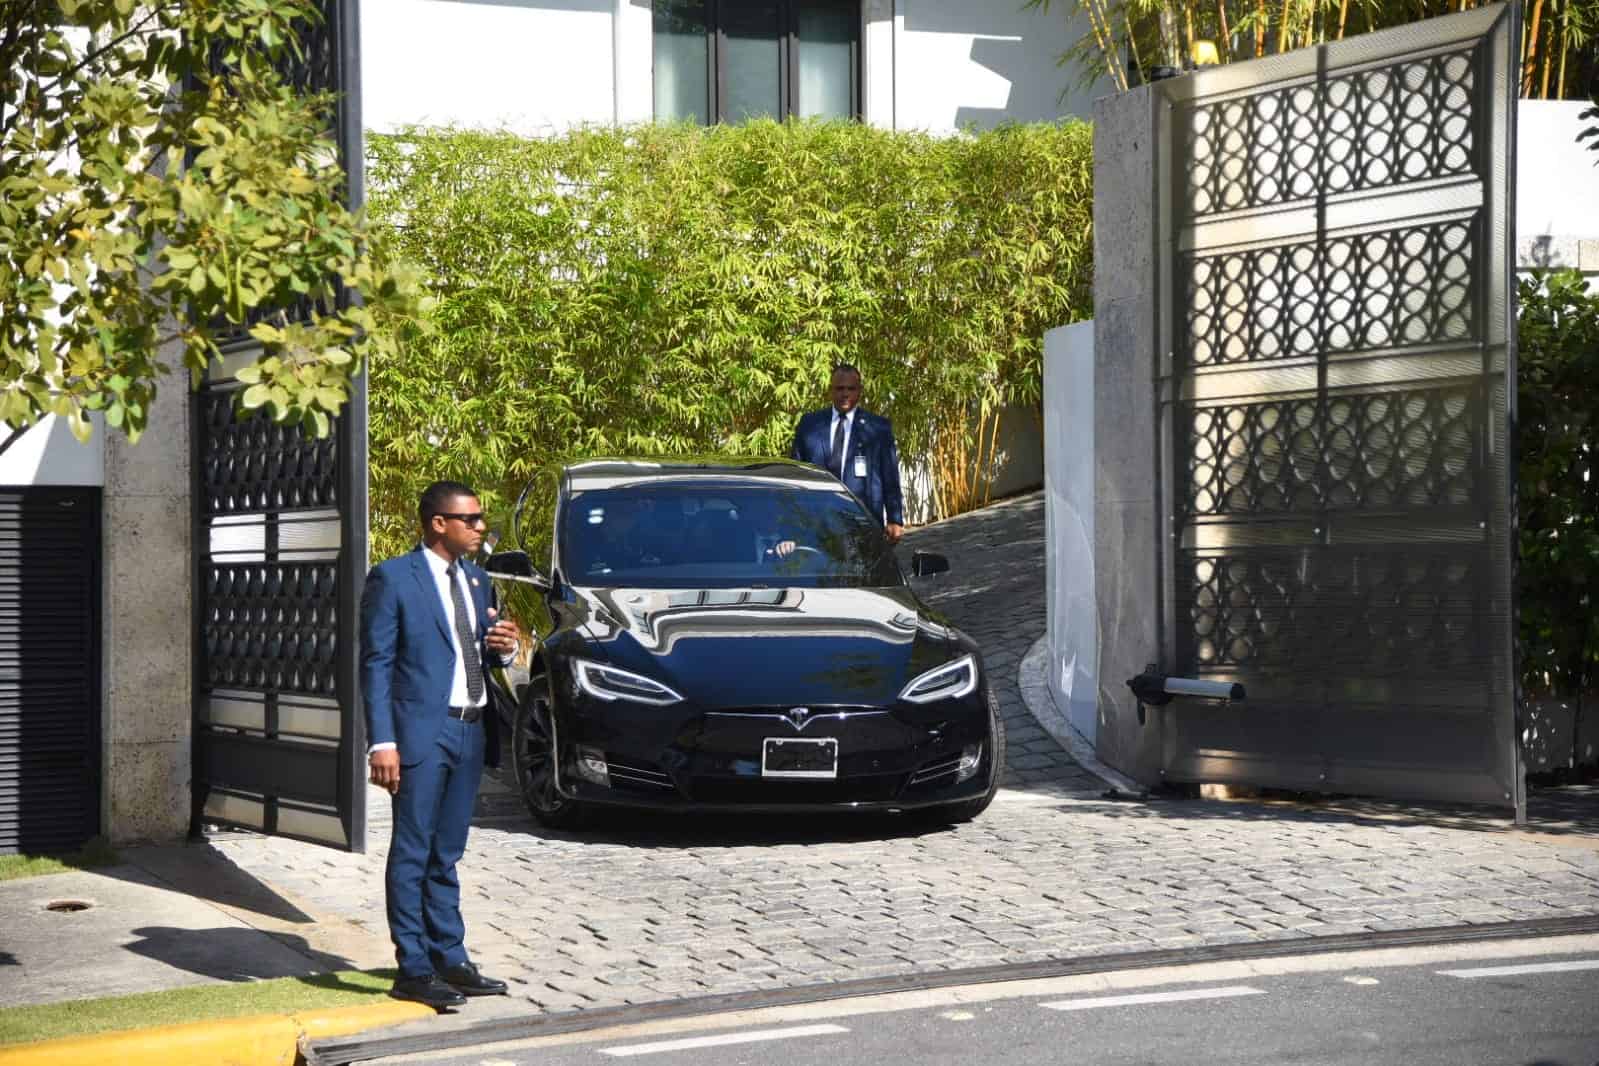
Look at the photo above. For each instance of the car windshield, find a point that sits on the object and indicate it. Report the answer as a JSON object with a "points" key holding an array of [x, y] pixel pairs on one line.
{"points": [[675, 536]]}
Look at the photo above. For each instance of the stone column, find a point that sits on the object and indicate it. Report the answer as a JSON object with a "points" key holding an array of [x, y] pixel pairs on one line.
{"points": [[1125, 487], [147, 642]]}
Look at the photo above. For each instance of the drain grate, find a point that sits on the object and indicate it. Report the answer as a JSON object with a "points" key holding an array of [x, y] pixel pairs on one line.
{"points": [[68, 906]]}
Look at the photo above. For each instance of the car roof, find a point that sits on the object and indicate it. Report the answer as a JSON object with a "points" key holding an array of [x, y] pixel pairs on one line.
{"points": [[612, 473]]}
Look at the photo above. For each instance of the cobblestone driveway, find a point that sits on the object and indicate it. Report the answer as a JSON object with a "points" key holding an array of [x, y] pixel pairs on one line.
{"points": [[649, 908]]}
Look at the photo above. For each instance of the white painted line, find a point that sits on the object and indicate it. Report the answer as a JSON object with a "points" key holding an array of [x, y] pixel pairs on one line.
{"points": [[1224, 992], [1531, 967], [1362, 981], [755, 1037]]}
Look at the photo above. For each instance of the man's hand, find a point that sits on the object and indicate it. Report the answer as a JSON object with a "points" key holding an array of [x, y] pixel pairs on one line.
{"points": [[385, 766], [783, 548], [894, 532], [501, 637]]}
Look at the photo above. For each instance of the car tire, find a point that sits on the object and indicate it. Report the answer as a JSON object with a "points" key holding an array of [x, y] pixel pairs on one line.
{"points": [[966, 810], [533, 760]]}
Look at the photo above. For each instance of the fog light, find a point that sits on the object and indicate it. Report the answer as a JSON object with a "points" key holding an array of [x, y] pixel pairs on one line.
{"points": [[591, 766], [971, 757]]}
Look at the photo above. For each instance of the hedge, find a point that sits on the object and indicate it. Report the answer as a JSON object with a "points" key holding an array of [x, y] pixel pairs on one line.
{"points": [[679, 290]]}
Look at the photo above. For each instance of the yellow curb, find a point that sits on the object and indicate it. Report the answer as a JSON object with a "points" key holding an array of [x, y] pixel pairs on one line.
{"points": [[255, 1040]]}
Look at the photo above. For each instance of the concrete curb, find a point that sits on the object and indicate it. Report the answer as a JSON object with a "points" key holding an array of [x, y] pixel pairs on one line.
{"points": [[1033, 680], [253, 1040]]}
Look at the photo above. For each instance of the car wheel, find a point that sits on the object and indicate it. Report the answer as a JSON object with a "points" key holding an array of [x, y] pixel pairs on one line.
{"points": [[533, 756], [966, 810]]}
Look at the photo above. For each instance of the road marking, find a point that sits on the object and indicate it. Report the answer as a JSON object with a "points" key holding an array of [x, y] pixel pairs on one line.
{"points": [[1531, 967], [1362, 981], [724, 1039], [1154, 997], [957, 1015]]}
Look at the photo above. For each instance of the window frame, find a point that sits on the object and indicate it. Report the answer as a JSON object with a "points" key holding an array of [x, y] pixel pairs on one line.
{"points": [[788, 48]]}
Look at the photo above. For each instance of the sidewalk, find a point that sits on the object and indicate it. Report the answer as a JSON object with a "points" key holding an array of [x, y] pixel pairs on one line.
{"points": [[644, 908]]}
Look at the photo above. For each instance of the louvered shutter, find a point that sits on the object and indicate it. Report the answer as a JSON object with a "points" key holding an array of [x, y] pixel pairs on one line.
{"points": [[49, 668]]}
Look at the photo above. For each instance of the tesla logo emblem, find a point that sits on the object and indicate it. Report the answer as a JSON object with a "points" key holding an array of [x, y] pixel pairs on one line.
{"points": [[798, 717]]}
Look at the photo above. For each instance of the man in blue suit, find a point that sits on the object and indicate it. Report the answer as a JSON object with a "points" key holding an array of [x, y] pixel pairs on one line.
{"points": [[857, 447], [427, 626]]}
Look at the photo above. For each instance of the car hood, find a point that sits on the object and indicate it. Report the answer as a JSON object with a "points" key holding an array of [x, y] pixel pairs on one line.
{"points": [[768, 647]]}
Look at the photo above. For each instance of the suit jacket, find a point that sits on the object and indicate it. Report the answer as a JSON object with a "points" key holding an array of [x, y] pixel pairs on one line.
{"points": [[408, 659], [872, 439]]}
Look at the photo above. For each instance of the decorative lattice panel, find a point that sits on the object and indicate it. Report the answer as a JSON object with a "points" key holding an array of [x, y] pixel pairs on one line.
{"points": [[1337, 365], [1388, 289], [1398, 123], [257, 465], [1357, 611], [272, 626], [1378, 451]]}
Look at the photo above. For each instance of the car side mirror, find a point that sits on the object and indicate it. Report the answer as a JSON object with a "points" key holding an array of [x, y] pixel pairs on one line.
{"points": [[516, 566], [925, 563]]}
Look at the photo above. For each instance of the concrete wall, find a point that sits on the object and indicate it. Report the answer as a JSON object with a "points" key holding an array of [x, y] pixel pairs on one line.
{"points": [[1125, 574], [147, 640], [537, 67]]}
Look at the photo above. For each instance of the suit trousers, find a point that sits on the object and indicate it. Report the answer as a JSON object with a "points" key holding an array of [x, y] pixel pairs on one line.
{"points": [[432, 813]]}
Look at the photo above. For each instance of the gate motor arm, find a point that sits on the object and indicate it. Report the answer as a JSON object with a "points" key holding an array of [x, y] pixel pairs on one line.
{"points": [[1157, 689]]}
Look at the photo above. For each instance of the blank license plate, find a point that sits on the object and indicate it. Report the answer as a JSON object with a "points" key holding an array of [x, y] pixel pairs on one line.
{"points": [[792, 757]]}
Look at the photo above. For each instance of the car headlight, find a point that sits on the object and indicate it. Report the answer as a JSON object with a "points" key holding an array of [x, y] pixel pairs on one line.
{"points": [[948, 682], [608, 683]]}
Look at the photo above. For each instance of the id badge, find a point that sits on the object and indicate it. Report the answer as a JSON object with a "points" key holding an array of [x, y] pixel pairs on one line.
{"points": [[860, 466]]}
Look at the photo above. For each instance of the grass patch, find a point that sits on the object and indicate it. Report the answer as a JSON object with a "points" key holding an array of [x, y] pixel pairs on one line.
{"points": [[95, 853], [48, 1021]]}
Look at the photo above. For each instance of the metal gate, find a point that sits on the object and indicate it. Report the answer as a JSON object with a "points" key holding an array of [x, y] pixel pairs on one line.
{"points": [[50, 693], [280, 535], [1336, 407]]}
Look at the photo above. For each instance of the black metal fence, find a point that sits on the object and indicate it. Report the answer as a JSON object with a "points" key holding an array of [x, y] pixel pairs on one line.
{"points": [[280, 552]]}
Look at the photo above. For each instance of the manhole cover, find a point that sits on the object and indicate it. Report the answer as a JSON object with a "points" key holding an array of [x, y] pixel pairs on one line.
{"points": [[68, 906]]}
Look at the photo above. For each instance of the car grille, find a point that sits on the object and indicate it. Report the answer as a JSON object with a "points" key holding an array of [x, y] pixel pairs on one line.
{"points": [[637, 776], [756, 791], [937, 773]]}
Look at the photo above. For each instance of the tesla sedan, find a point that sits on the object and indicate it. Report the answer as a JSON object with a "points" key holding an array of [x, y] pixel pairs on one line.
{"points": [[739, 637]]}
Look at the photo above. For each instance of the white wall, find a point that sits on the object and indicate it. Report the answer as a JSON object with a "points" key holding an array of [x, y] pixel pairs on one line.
{"points": [[540, 66], [959, 63], [1069, 472], [1557, 188], [530, 66], [48, 454]]}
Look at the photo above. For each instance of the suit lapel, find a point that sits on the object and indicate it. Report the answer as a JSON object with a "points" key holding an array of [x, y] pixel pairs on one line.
{"points": [[430, 590]]}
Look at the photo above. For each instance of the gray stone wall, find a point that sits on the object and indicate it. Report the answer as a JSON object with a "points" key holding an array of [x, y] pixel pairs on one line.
{"points": [[1125, 530], [146, 625]]}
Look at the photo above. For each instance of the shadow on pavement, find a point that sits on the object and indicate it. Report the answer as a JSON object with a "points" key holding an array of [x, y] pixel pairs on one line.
{"points": [[666, 829], [234, 954], [199, 870], [1571, 810]]}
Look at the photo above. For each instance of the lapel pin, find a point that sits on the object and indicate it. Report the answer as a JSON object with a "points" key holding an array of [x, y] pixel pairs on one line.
{"points": [[474, 582]]}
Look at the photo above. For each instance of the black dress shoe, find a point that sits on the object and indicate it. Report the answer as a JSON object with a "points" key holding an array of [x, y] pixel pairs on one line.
{"points": [[428, 990], [466, 980]]}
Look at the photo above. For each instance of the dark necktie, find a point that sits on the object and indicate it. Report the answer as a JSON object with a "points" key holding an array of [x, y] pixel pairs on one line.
{"points": [[835, 457], [463, 630]]}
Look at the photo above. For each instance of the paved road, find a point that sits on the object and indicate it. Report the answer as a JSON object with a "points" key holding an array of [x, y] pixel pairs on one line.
{"points": [[649, 908], [1432, 1007]]}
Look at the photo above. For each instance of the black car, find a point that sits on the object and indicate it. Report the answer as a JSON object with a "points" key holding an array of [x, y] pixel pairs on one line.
{"points": [[739, 637]]}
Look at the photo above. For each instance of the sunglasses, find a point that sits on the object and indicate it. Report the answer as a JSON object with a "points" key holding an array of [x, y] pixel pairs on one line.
{"points": [[473, 519]]}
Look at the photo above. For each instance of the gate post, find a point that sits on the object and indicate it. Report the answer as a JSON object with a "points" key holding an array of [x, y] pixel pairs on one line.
{"points": [[1126, 485]]}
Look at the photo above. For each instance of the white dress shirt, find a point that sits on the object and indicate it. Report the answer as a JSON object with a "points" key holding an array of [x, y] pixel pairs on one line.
{"points": [[438, 567]]}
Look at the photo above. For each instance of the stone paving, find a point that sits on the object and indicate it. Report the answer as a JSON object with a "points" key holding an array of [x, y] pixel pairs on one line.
{"points": [[645, 908]]}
